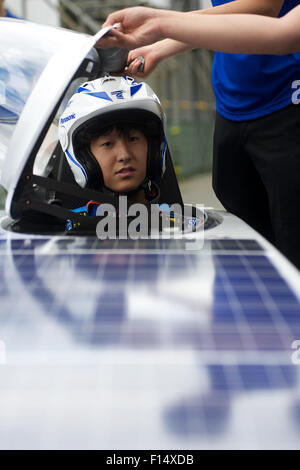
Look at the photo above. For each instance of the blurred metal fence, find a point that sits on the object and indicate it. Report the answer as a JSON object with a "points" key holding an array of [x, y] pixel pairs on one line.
{"points": [[88, 15], [183, 83]]}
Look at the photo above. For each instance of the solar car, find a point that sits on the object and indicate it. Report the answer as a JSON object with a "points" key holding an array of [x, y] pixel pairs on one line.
{"points": [[184, 340]]}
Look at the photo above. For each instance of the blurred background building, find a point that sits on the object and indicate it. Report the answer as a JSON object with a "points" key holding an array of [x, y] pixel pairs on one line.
{"points": [[183, 83]]}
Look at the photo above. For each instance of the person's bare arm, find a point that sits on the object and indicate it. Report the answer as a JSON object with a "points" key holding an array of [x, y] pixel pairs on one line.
{"points": [[169, 47], [249, 34]]}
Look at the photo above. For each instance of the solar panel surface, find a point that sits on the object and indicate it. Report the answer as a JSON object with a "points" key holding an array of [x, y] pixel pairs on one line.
{"points": [[145, 345]]}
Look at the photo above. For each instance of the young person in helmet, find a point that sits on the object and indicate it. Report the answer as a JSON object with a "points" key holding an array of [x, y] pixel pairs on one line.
{"points": [[113, 135]]}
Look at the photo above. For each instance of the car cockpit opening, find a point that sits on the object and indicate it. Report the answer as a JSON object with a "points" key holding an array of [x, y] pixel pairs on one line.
{"points": [[55, 190]]}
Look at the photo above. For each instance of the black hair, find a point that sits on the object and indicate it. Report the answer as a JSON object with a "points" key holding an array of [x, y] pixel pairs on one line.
{"points": [[85, 137]]}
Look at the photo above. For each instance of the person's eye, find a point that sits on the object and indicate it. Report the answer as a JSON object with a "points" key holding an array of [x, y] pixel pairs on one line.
{"points": [[134, 138], [106, 144]]}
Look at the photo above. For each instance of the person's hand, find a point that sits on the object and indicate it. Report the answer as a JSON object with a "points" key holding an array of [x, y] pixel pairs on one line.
{"points": [[130, 18], [151, 57], [137, 26]]}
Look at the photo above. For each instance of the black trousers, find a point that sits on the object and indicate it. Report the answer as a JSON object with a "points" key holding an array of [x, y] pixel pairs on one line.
{"points": [[256, 175]]}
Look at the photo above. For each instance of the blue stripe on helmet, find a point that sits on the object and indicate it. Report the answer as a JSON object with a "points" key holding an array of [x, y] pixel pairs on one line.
{"points": [[77, 164], [82, 90], [100, 94], [135, 89]]}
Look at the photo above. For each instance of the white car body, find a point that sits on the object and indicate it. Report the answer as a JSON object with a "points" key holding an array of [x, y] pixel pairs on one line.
{"points": [[115, 346]]}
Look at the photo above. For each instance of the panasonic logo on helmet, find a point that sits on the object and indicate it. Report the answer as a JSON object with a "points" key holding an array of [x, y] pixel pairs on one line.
{"points": [[68, 118]]}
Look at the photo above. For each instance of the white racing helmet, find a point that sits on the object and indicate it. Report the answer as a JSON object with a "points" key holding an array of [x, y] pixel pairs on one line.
{"points": [[100, 104]]}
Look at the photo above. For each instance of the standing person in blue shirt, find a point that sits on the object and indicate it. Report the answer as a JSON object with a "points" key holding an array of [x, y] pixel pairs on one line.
{"points": [[256, 172]]}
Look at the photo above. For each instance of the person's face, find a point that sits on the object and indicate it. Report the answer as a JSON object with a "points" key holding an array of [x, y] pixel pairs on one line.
{"points": [[122, 158]]}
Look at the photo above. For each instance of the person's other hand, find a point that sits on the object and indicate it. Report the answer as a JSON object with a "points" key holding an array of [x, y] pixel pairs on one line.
{"points": [[137, 26], [151, 58]]}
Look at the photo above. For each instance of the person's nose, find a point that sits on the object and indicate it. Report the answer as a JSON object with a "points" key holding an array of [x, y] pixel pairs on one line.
{"points": [[123, 151]]}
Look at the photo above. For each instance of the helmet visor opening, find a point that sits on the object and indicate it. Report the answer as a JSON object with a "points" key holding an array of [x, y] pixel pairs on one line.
{"points": [[149, 124]]}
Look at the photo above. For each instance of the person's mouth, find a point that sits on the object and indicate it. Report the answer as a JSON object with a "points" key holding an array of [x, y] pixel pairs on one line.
{"points": [[126, 171]]}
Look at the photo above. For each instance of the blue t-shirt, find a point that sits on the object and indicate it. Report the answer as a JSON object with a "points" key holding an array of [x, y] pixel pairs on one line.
{"points": [[252, 86]]}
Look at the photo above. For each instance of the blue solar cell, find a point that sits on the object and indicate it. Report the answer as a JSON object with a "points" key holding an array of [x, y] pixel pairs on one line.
{"points": [[255, 377], [115, 274], [283, 296], [257, 314], [290, 314], [223, 313], [289, 376], [249, 297], [237, 282], [258, 260], [218, 377], [236, 245], [269, 339]]}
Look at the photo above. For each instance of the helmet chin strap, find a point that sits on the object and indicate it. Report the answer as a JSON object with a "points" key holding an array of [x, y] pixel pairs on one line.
{"points": [[146, 186]]}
